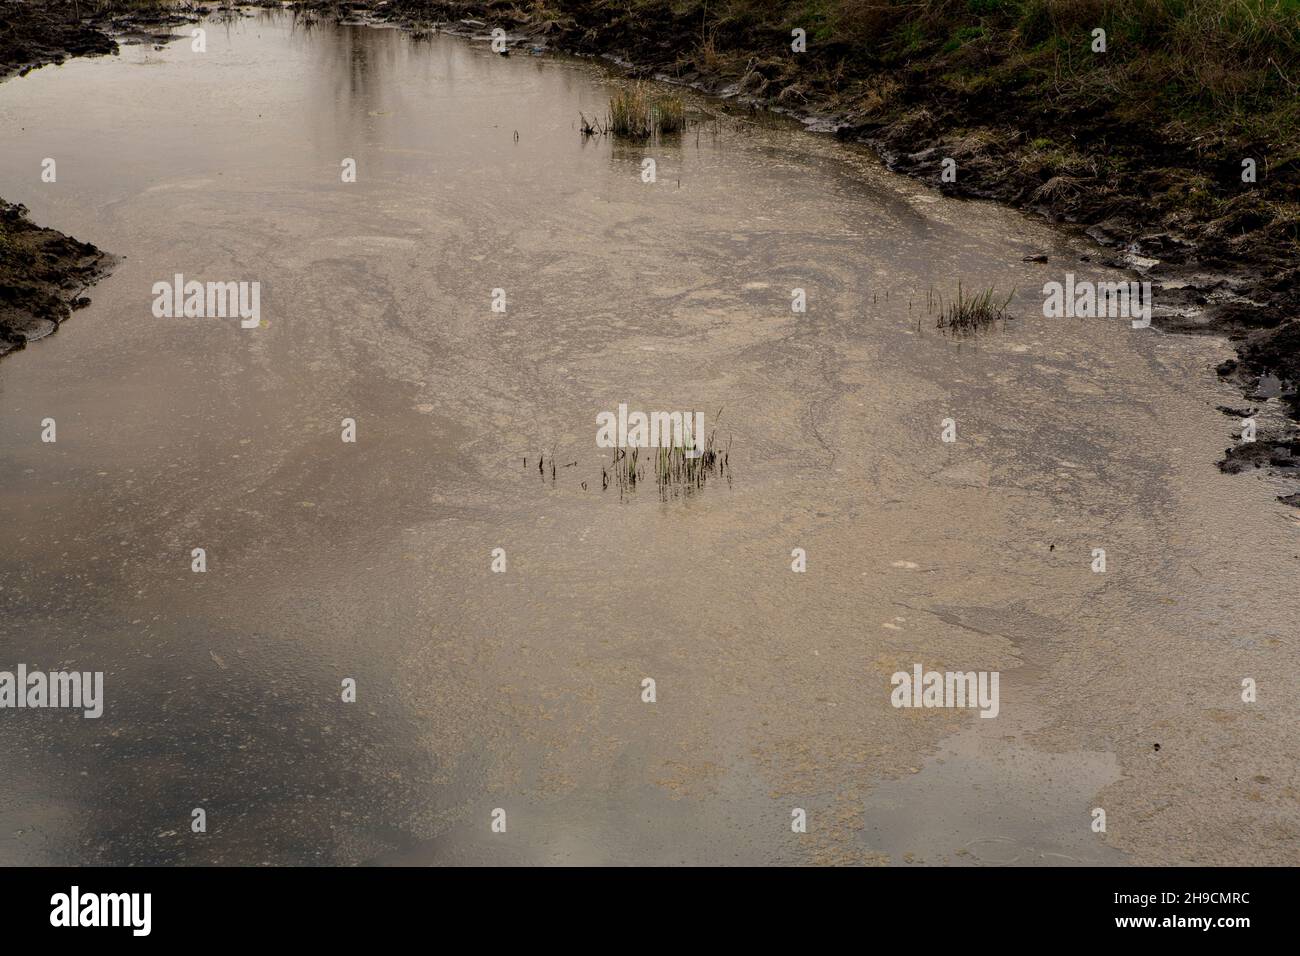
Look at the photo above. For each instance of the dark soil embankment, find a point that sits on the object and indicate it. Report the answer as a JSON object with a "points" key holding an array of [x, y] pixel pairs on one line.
{"points": [[42, 276], [34, 34]]}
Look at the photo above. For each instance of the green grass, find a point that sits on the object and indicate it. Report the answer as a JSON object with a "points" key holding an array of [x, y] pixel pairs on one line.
{"points": [[1185, 87], [1219, 62]]}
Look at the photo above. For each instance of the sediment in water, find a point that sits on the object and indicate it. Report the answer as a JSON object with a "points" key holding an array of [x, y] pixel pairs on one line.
{"points": [[1156, 188]]}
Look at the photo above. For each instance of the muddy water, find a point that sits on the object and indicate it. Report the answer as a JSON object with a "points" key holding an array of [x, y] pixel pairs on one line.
{"points": [[522, 690]]}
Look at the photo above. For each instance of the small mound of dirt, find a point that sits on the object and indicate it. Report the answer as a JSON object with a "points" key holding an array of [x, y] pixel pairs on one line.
{"points": [[42, 276]]}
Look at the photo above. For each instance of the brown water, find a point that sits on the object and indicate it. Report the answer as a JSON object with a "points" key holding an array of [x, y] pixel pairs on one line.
{"points": [[522, 690]]}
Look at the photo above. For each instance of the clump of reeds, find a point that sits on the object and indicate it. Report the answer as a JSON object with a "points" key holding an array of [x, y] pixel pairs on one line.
{"points": [[639, 112], [625, 471], [968, 314], [678, 469], [669, 114], [631, 113]]}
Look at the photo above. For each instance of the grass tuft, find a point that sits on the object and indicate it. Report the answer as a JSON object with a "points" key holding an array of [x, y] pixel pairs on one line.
{"points": [[970, 314], [639, 112], [678, 470]]}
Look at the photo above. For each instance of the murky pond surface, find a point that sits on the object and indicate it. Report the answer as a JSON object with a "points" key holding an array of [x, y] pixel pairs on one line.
{"points": [[523, 690]]}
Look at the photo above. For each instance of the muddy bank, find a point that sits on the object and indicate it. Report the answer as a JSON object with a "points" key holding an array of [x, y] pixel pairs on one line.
{"points": [[44, 273], [1166, 195], [33, 35]]}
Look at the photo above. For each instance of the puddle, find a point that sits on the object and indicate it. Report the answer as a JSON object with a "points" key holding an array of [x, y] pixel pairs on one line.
{"points": [[522, 690]]}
